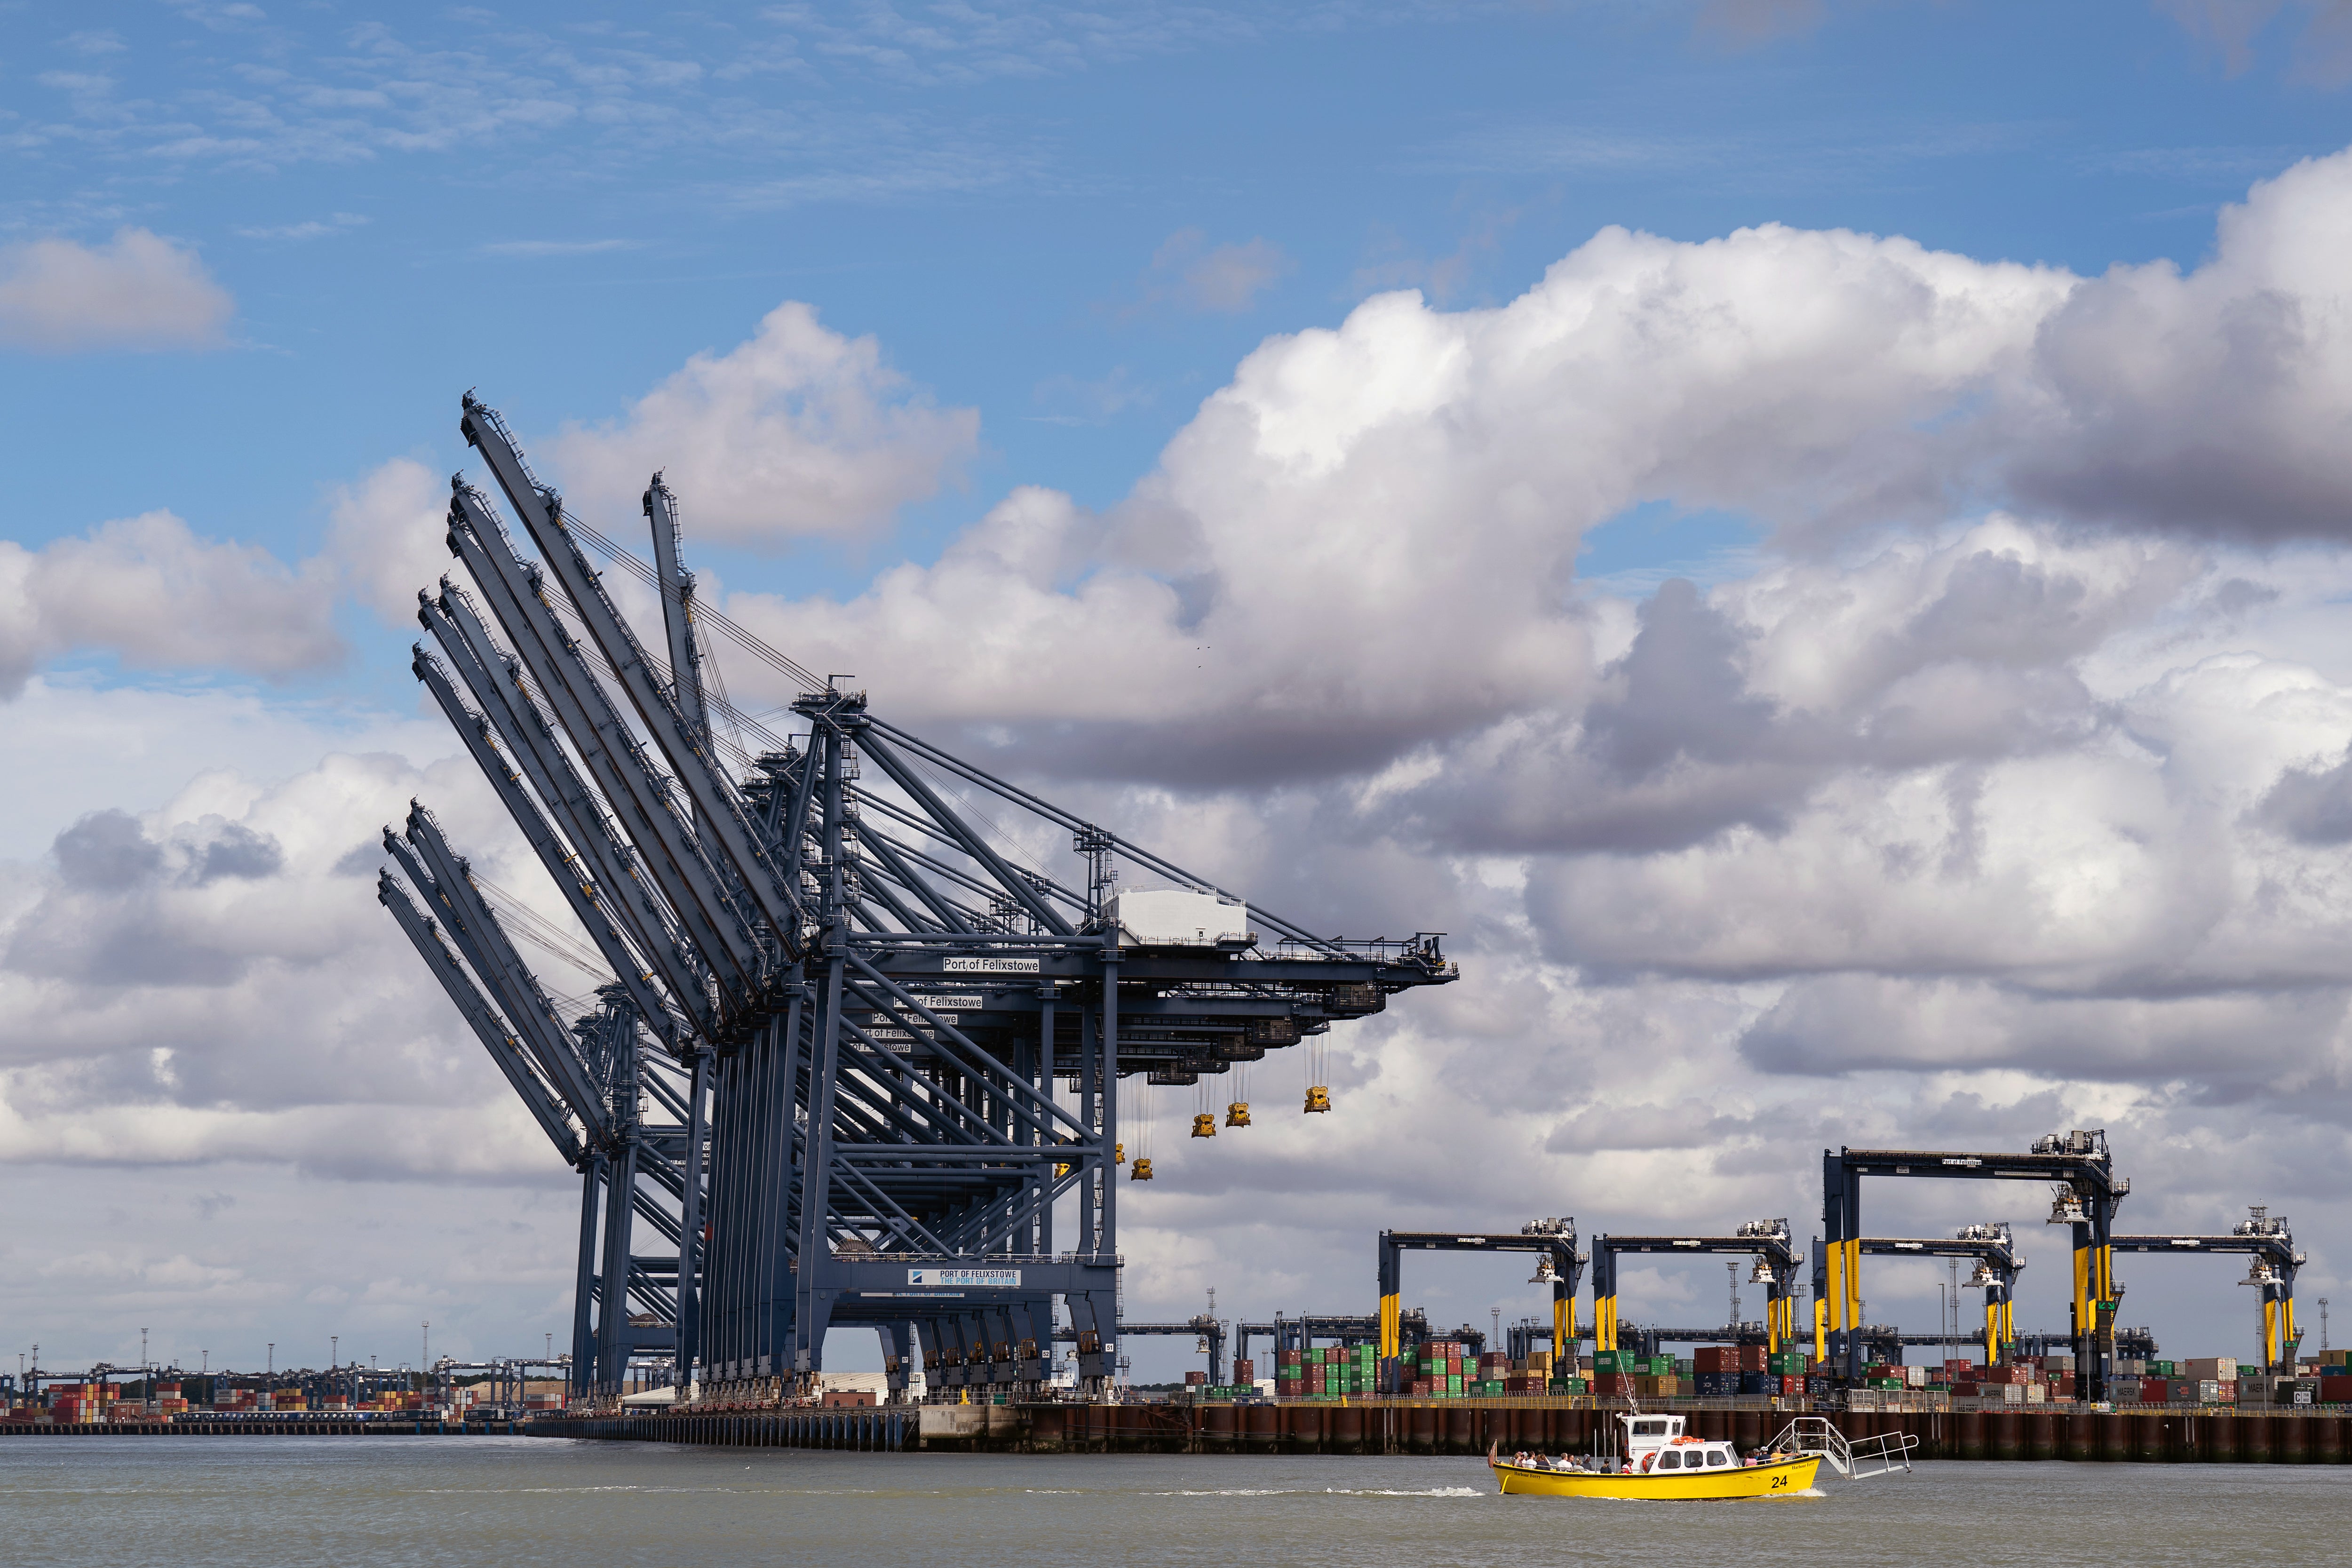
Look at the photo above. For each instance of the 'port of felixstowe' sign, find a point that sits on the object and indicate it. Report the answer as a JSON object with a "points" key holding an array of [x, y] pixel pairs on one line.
{"points": [[974, 1278], [989, 965]]}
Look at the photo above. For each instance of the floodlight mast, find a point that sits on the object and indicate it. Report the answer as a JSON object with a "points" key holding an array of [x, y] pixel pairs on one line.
{"points": [[864, 997]]}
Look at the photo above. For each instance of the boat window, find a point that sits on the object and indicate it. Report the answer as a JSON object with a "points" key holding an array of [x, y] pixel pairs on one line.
{"points": [[1717, 1457], [1670, 1460], [1649, 1428]]}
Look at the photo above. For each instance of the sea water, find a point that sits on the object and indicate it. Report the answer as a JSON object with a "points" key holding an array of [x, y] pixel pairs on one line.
{"points": [[260, 1501]]}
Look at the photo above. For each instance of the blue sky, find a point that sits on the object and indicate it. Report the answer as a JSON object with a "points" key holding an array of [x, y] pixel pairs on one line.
{"points": [[1992, 780], [560, 203]]}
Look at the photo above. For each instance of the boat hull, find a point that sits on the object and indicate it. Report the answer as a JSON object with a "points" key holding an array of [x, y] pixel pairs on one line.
{"points": [[1777, 1480]]}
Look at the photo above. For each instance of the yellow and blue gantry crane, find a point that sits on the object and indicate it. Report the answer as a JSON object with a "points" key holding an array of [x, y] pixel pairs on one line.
{"points": [[2077, 1165], [1767, 1241], [1558, 1264], [2268, 1242], [1991, 1247], [852, 1040]]}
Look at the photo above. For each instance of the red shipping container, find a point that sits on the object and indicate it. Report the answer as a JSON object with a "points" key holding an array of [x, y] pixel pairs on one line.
{"points": [[1715, 1358], [1750, 1358], [2336, 1391]]}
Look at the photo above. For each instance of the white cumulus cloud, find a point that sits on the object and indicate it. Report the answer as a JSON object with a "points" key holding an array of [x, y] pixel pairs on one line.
{"points": [[798, 432], [149, 590], [137, 291]]}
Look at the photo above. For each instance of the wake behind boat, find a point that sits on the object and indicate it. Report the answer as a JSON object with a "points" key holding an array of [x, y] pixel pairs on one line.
{"points": [[1663, 1463]]}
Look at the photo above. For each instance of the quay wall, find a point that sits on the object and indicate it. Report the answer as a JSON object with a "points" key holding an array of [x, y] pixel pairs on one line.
{"points": [[1466, 1428], [1461, 1427]]}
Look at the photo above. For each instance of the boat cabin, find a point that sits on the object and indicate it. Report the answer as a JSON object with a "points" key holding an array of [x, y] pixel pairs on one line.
{"points": [[1657, 1445]]}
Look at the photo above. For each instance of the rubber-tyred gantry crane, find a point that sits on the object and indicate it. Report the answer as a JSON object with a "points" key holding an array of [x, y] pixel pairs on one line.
{"points": [[2081, 1173], [891, 1037], [1558, 1264], [2265, 1238], [1766, 1239], [1991, 1247]]}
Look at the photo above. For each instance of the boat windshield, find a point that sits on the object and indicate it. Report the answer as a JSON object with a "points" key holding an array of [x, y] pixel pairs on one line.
{"points": [[1649, 1428]]}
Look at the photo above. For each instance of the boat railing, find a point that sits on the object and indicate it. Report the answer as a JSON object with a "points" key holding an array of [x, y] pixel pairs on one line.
{"points": [[1858, 1458]]}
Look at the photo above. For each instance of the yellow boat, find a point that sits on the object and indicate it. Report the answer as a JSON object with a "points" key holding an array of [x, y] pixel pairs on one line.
{"points": [[1661, 1464]]}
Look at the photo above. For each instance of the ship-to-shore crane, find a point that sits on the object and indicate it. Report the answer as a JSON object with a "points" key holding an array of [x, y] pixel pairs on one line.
{"points": [[891, 1034]]}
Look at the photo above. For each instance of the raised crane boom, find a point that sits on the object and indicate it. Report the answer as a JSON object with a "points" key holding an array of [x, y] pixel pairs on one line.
{"points": [[717, 805], [910, 1035], [511, 1058]]}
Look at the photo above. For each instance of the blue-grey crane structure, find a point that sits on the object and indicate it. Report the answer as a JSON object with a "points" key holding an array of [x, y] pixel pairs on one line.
{"points": [[888, 1040]]}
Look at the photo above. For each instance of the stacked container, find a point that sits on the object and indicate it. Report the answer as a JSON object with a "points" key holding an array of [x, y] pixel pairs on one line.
{"points": [[1326, 1371], [78, 1403]]}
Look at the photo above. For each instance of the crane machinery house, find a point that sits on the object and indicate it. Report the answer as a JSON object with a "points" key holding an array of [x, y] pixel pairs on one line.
{"points": [[1178, 917]]}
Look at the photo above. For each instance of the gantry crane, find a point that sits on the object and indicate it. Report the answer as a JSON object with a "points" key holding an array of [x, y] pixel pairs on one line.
{"points": [[1991, 1247], [1341, 1328], [2268, 1240], [902, 1037], [1765, 1239], [2087, 1192], [1558, 1264], [1209, 1331]]}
